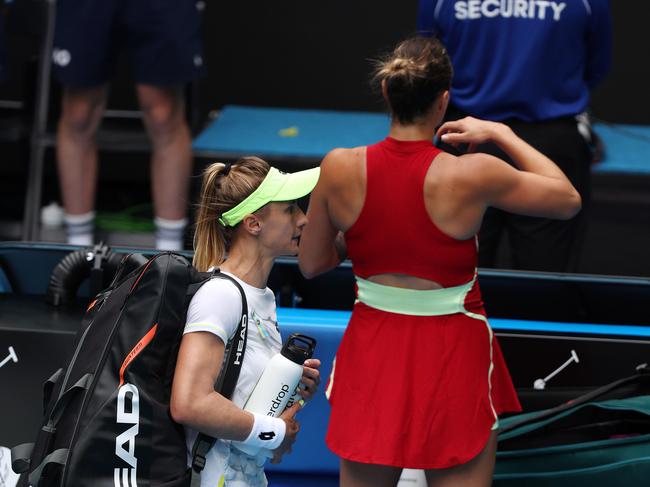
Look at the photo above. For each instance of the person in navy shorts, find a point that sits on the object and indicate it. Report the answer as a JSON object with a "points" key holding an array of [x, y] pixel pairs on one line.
{"points": [[163, 42]]}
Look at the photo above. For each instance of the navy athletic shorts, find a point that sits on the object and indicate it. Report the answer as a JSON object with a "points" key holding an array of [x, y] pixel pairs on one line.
{"points": [[162, 37]]}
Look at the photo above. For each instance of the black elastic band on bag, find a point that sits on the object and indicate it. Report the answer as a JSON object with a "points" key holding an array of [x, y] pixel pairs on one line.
{"points": [[58, 457], [21, 457], [48, 387]]}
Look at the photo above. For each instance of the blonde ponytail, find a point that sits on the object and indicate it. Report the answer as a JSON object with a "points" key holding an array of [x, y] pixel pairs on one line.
{"points": [[222, 190]]}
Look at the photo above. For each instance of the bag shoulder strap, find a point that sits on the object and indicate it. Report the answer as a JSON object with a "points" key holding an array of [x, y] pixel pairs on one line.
{"points": [[227, 379]]}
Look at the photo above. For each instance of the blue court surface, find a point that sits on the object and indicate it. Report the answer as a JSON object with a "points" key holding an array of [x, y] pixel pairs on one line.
{"points": [[310, 134], [627, 148], [289, 480], [288, 132]]}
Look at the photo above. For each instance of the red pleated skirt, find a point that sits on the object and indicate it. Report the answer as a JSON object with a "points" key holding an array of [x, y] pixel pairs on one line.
{"points": [[416, 391]]}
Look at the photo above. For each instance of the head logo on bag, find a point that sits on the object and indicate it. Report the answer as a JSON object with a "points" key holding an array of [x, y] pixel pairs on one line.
{"points": [[241, 343], [128, 412]]}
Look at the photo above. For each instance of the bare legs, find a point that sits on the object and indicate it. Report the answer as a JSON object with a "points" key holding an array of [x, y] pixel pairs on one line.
{"points": [[355, 474], [81, 113], [171, 159], [475, 473]]}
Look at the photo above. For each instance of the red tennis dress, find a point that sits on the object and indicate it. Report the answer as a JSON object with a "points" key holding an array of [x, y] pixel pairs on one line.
{"points": [[413, 391]]}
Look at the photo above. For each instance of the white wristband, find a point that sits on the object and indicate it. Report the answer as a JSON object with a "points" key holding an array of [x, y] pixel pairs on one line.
{"points": [[268, 432]]}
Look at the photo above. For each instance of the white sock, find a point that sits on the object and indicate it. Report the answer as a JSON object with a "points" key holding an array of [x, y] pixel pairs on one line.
{"points": [[169, 233], [80, 228]]}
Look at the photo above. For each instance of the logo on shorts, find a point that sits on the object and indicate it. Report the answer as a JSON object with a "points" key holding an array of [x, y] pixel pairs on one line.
{"points": [[198, 61], [266, 436], [61, 57]]}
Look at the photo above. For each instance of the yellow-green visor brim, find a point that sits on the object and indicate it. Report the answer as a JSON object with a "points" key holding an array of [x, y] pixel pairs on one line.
{"points": [[276, 186]]}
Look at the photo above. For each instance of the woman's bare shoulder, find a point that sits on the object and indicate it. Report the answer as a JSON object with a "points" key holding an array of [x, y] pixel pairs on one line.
{"points": [[341, 156], [474, 168], [340, 164]]}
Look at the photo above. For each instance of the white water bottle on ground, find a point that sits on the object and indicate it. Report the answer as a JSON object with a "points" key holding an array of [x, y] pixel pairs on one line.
{"points": [[279, 381]]}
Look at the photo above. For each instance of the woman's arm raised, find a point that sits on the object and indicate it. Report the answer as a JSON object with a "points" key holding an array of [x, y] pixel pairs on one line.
{"points": [[537, 188]]}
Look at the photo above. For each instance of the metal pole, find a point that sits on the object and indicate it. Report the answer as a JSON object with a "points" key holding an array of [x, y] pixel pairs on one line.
{"points": [[39, 127]]}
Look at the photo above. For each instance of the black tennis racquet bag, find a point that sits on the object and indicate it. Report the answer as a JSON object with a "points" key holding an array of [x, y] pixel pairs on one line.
{"points": [[107, 420]]}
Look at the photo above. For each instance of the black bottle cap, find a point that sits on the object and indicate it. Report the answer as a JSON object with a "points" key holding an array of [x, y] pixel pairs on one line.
{"points": [[299, 348]]}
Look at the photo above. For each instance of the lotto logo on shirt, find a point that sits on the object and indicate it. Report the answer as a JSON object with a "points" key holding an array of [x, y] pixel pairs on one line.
{"points": [[525, 9]]}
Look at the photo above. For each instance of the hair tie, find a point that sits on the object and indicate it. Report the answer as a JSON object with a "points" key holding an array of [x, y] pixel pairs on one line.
{"points": [[226, 169]]}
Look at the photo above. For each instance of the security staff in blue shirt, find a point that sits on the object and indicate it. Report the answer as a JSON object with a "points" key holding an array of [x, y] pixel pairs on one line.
{"points": [[532, 65]]}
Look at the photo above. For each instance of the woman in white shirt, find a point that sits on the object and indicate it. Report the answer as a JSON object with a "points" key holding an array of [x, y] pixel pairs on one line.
{"points": [[247, 210]]}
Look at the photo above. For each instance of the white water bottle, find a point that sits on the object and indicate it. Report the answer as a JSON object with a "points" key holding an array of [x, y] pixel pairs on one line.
{"points": [[279, 381]]}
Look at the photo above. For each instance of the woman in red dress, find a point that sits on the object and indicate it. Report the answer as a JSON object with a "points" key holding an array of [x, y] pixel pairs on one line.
{"points": [[419, 379]]}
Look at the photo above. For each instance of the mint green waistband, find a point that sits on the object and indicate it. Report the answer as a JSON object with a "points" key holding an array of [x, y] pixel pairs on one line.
{"points": [[434, 302]]}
